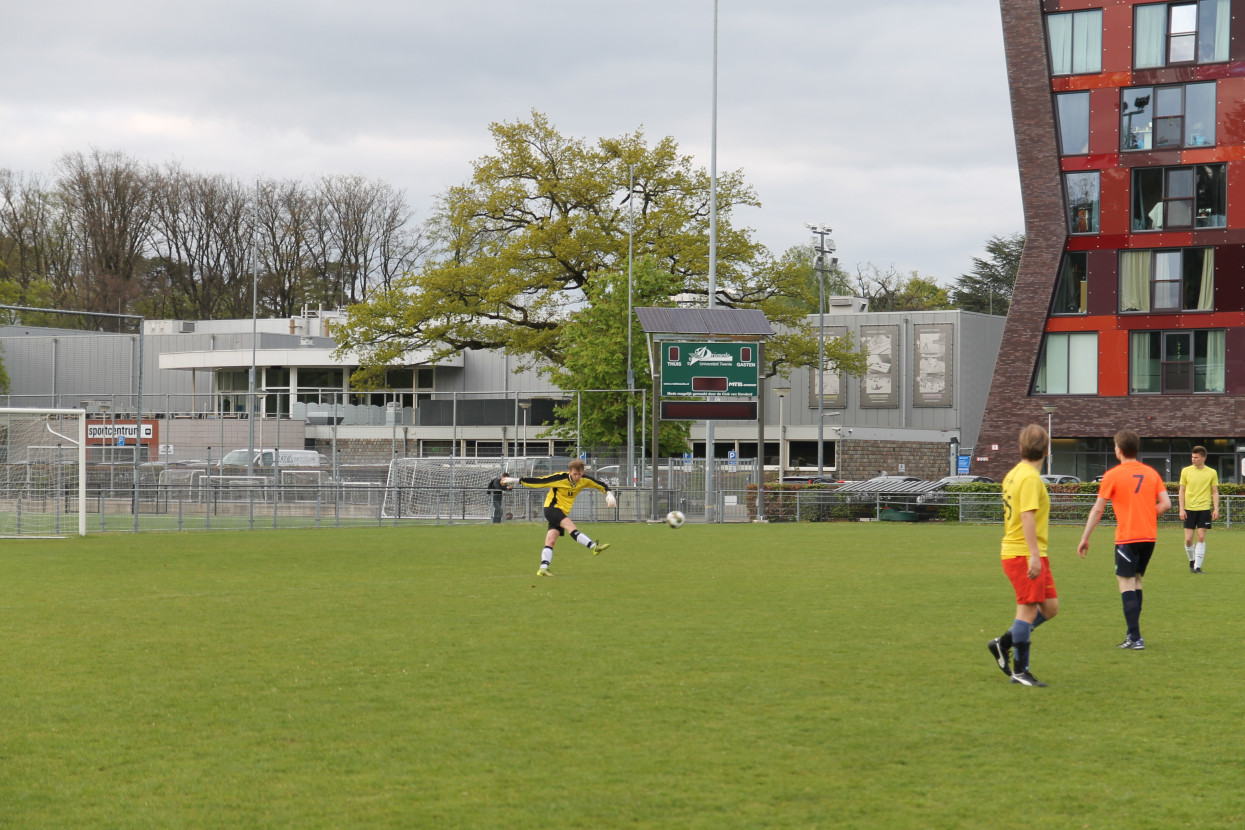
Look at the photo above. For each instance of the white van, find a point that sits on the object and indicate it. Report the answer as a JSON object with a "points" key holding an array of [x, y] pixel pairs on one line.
{"points": [[267, 459]]}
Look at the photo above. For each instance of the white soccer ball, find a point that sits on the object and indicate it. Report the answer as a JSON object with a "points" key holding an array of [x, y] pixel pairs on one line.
{"points": [[675, 518]]}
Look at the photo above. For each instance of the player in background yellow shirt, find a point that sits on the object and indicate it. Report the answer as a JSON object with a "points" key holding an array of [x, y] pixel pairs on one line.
{"points": [[1026, 520], [1199, 506]]}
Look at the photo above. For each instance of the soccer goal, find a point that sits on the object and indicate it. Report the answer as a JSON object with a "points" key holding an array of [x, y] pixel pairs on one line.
{"points": [[449, 488], [42, 472]]}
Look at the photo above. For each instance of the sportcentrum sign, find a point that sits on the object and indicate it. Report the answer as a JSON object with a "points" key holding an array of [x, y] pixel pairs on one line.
{"points": [[114, 432], [709, 369]]}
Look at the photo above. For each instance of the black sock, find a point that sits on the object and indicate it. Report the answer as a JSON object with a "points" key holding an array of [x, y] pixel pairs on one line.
{"points": [[1005, 642], [1132, 613], [1020, 659]]}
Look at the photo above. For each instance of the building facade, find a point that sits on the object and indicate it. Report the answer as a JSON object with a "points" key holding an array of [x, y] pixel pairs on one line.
{"points": [[1129, 305], [918, 405]]}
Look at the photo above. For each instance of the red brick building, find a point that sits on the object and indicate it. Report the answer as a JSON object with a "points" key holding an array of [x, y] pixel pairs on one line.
{"points": [[1129, 306]]}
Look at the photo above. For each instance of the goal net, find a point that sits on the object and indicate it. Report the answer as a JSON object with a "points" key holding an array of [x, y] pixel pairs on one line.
{"points": [[452, 488], [42, 472]]}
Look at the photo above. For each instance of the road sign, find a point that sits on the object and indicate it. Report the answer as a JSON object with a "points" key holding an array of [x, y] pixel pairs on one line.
{"points": [[714, 368]]}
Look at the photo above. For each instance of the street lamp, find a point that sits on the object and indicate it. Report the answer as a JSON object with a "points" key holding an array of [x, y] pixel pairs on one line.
{"points": [[525, 406], [1049, 409], [781, 392], [823, 247]]}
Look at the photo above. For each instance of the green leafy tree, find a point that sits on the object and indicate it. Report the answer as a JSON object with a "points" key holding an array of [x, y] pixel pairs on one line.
{"points": [[545, 216], [595, 341], [988, 287]]}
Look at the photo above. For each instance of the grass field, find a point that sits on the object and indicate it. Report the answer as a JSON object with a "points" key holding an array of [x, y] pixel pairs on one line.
{"points": [[801, 675]]}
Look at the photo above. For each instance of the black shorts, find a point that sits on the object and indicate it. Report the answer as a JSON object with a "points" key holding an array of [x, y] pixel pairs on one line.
{"points": [[1196, 518], [554, 517], [1133, 558]]}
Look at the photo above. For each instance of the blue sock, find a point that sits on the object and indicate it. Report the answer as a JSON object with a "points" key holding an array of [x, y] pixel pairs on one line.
{"points": [[1040, 619], [1020, 645]]}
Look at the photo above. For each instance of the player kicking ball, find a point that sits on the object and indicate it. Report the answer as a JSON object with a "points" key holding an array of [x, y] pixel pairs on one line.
{"points": [[563, 488]]}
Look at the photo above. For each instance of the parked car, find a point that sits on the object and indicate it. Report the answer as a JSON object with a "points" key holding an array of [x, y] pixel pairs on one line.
{"points": [[966, 479], [1059, 479], [807, 479]]}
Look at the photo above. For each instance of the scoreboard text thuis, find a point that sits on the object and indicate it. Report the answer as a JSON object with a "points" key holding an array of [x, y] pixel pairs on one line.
{"points": [[709, 369]]}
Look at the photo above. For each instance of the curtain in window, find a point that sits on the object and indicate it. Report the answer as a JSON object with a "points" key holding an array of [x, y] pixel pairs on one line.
{"points": [[1083, 364], [1135, 281], [1087, 41], [1149, 30], [1215, 357], [1142, 367], [1206, 296], [1059, 31], [1222, 11]]}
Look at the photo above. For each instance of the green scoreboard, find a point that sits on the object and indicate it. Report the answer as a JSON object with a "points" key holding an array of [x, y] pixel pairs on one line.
{"points": [[709, 369]]}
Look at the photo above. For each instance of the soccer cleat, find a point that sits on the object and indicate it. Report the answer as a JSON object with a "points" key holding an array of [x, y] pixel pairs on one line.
{"points": [[1197, 570], [1000, 656], [1135, 645], [599, 548], [1191, 568], [543, 572], [1026, 679]]}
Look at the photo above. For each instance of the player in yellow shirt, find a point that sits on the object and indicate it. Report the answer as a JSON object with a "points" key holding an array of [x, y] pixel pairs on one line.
{"points": [[1026, 520], [1199, 506], [563, 488]]}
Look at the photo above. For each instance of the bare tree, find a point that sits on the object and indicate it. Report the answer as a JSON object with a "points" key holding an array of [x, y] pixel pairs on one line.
{"points": [[108, 197]]}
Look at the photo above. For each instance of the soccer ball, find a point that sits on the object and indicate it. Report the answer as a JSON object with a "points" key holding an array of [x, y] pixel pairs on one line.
{"points": [[675, 518]]}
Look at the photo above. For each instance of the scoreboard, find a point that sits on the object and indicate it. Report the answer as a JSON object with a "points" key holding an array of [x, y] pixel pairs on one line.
{"points": [[714, 369]]}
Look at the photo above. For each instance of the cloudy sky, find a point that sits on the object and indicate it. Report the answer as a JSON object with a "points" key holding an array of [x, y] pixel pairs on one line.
{"points": [[888, 120]]}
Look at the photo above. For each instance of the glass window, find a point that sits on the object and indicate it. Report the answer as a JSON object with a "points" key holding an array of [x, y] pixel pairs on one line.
{"points": [[1071, 293], [1068, 365], [1081, 191], [1186, 32], [1073, 123], [1075, 42], [1181, 279], [1166, 198], [1176, 362], [1182, 115]]}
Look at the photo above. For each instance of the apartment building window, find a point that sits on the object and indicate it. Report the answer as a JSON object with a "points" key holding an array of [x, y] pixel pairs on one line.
{"points": [[1071, 293], [1081, 194], [1176, 33], [1167, 198], [1176, 362], [1068, 365], [1073, 108], [1165, 117], [1075, 42], [1167, 280]]}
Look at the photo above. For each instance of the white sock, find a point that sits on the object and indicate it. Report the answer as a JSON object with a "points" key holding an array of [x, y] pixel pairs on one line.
{"points": [[1188, 551], [546, 557], [583, 539], [1200, 553]]}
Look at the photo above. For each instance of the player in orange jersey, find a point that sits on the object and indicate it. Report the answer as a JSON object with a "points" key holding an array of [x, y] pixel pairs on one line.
{"points": [[1139, 497]]}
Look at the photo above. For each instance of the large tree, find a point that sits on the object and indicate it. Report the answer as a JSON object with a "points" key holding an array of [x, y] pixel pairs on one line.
{"points": [[541, 218], [988, 287]]}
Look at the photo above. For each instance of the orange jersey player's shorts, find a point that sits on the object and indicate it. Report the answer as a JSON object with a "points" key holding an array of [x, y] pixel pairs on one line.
{"points": [[1029, 591]]}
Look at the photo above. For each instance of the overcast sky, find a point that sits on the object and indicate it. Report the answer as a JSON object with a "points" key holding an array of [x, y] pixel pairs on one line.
{"points": [[888, 120]]}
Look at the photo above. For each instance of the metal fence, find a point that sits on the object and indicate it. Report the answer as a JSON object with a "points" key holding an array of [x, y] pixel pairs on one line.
{"points": [[201, 499]]}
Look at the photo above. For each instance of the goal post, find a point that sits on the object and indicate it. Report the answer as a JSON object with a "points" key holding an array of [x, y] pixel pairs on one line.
{"points": [[43, 480]]}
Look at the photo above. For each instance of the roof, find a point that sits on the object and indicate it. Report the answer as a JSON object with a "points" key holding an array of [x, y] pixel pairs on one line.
{"points": [[719, 322], [890, 485]]}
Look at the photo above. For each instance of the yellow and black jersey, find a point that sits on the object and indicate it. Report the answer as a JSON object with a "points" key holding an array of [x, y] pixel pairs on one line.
{"points": [[562, 491]]}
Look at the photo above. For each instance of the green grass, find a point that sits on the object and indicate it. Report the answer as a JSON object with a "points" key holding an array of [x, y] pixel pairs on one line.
{"points": [[803, 675]]}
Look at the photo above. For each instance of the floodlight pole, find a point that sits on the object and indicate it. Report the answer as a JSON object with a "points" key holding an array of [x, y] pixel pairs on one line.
{"points": [[710, 499], [1049, 409], [630, 371], [822, 248]]}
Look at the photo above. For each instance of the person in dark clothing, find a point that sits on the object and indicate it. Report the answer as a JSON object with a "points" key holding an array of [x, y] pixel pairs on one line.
{"points": [[498, 491]]}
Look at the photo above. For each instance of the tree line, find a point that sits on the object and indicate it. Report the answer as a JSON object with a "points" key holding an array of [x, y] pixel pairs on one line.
{"points": [[112, 234]]}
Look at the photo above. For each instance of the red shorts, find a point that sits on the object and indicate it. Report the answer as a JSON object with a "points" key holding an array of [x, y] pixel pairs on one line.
{"points": [[1029, 591]]}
